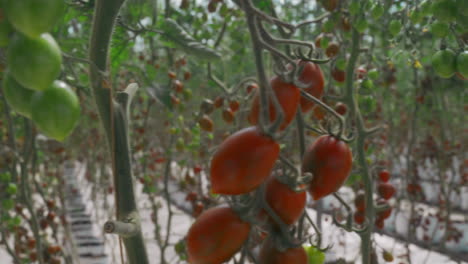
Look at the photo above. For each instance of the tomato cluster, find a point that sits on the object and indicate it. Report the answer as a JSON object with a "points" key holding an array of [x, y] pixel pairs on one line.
{"points": [[244, 162], [33, 63]]}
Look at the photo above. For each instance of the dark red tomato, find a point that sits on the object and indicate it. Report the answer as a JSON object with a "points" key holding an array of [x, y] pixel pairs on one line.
{"points": [[269, 254], [243, 161], [234, 105], [338, 75], [361, 72], [286, 203], [312, 75], [359, 217], [384, 175], [385, 214], [380, 223], [341, 108], [288, 96], [216, 235], [330, 161], [386, 190], [360, 201]]}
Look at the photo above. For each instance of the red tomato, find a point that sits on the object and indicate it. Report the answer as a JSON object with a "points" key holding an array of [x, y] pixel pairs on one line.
{"points": [[338, 75], [384, 175], [330, 161], [269, 254], [359, 217], [197, 169], [360, 201], [286, 203], [234, 105], [386, 190], [216, 235], [228, 115], [288, 96], [341, 108], [243, 161], [361, 72], [380, 223], [218, 102], [312, 75]]}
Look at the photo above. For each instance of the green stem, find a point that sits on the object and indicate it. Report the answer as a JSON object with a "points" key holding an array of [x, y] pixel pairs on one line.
{"points": [[114, 118]]}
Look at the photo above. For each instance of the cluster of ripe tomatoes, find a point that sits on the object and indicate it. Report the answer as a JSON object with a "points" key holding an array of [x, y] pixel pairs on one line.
{"points": [[244, 164]]}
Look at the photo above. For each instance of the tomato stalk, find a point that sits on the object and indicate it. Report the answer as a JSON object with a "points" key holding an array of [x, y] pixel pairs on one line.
{"points": [[114, 117]]}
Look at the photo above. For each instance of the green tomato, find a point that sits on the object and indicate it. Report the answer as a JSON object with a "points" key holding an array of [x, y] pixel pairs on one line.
{"points": [[462, 63], [439, 29], [56, 110], [444, 63], [354, 7], [395, 27], [314, 255], [373, 74], [367, 103], [8, 204], [5, 177], [12, 189], [377, 11], [444, 10], [367, 84], [426, 8], [361, 25], [341, 64], [34, 63], [34, 17], [17, 96], [187, 94]]}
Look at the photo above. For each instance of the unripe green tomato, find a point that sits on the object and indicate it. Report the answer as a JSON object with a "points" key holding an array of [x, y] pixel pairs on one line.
{"points": [[444, 10], [8, 204], [373, 74], [367, 84], [56, 110], [187, 94], [462, 63], [354, 7], [361, 25], [439, 29], [314, 255], [17, 96], [5, 177], [341, 64], [377, 11], [426, 8], [34, 63], [34, 17], [12, 189], [367, 103], [395, 27], [444, 63]]}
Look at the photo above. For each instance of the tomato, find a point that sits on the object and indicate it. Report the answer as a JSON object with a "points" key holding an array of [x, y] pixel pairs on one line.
{"points": [[178, 86], [462, 64], [444, 63], [251, 87], [218, 102], [269, 254], [332, 49], [243, 161], [384, 175], [395, 27], [341, 108], [187, 75], [319, 112], [361, 72], [34, 63], [56, 110], [440, 29], [286, 203], [33, 18], [338, 75], [234, 105], [198, 208], [444, 10], [207, 106], [314, 255], [360, 201], [387, 256], [385, 214], [206, 123], [228, 115], [288, 96], [312, 75], [18, 97], [216, 235], [380, 223], [359, 217], [330, 161], [386, 190]]}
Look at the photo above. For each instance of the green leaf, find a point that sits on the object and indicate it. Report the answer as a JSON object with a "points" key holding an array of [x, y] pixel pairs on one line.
{"points": [[314, 255]]}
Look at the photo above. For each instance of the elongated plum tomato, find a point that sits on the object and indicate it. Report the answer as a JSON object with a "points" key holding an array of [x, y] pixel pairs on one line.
{"points": [[17, 96], [56, 110], [330, 161], [269, 254], [216, 235], [288, 96], [286, 203], [243, 161], [33, 18], [312, 75]]}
